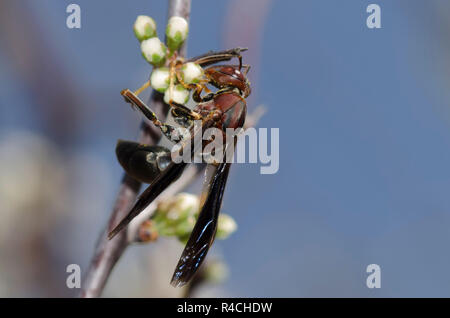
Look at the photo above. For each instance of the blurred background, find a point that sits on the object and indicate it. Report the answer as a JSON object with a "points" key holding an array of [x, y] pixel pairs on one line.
{"points": [[364, 123]]}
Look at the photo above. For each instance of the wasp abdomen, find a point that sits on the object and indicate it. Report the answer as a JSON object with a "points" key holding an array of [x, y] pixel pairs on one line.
{"points": [[142, 162], [234, 110]]}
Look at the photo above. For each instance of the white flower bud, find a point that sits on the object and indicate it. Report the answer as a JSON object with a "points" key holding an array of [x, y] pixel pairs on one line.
{"points": [[225, 226], [159, 79], [191, 73], [187, 202], [180, 206], [154, 51], [176, 32], [144, 28], [180, 95]]}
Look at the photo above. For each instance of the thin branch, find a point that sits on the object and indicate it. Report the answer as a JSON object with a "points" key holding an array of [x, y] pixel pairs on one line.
{"points": [[107, 251]]}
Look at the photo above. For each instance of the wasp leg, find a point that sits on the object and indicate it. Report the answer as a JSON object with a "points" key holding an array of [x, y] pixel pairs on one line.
{"points": [[196, 96], [240, 61], [172, 133], [181, 109], [142, 88], [183, 115], [142, 162], [197, 87], [246, 69], [180, 78]]}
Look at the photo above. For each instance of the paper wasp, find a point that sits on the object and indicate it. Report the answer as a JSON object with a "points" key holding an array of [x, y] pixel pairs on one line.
{"points": [[225, 108]]}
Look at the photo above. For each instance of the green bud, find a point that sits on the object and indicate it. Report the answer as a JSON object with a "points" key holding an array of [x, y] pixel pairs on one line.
{"points": [[154, 51], [226, 226], [144, 28], [191, 72], [159, 79], [179, 207], [184, 228], [176, 32], [180, 95], [175, 216]]}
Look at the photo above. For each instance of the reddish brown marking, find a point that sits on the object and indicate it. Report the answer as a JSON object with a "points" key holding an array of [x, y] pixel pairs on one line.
{"points": [[232, 106], [226, 76]]}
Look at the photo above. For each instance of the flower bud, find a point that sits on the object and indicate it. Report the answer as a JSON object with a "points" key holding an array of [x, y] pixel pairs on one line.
{"points": [[176, 32], [147, 232], [154, 51], [191, 73], [226, 226], [159, 79], [175, 216], [180, 206], [216, 272], [184, 228], [144, 28], [180, 95]]}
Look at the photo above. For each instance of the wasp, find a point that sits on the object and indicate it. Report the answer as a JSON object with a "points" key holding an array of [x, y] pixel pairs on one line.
{"points": [[222, 109]]}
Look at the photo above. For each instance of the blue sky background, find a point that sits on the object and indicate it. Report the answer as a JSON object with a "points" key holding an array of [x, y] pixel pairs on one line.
{"points": [[364, 140]]}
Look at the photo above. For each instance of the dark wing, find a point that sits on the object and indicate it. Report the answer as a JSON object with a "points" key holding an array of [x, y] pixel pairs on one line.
{"points": [[204, 231], [164, 179], [170, 174]]}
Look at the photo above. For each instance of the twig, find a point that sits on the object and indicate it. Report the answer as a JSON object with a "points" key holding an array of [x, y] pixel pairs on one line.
{"points": [[107, 251]]}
